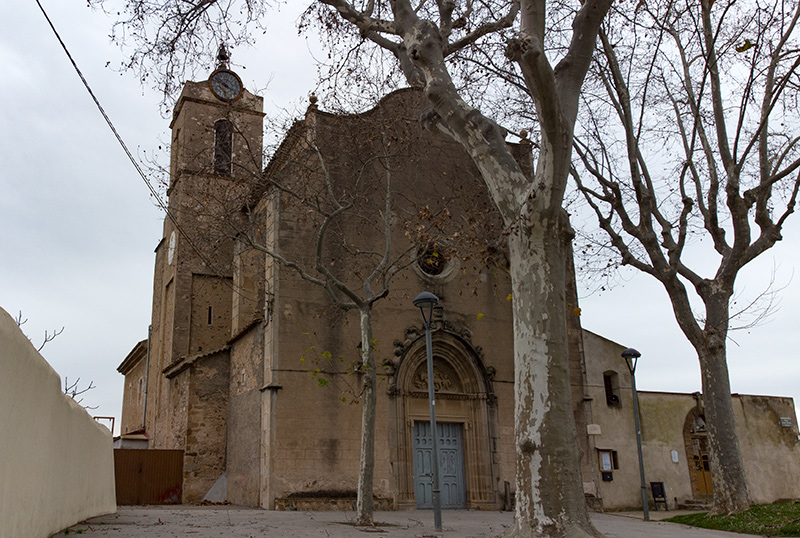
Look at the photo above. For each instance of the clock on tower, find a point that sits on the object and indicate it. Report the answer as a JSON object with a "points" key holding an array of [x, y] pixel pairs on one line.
{"points": [[225, 84]]}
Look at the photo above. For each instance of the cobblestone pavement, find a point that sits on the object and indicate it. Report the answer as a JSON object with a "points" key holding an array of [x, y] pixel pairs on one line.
{"points": [[237, 522]]}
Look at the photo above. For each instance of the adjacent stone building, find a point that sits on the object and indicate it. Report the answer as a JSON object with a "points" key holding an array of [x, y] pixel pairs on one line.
{"points": [[675, 450], [252, 371]]}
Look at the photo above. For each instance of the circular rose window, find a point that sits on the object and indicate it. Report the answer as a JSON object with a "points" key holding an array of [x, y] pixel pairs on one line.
{"points": [[435, 264], [431, 260]]}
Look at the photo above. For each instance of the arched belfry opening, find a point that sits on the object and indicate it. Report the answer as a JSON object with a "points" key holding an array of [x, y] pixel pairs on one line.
{"points": [[223, 147], [466, 417]]}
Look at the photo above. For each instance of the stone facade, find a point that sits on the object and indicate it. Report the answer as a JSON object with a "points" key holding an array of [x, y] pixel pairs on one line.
{"points": [[673, 446], [311, 459], [134, 368], [252, 369]]}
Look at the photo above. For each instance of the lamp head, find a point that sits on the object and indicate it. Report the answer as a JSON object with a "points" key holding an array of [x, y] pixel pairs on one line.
{"points": [[631, 357], [425, 299], [631, 353]]}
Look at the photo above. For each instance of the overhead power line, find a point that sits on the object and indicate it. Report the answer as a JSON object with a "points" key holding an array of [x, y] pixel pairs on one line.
{"points": [[105, 116], [135, 163]]}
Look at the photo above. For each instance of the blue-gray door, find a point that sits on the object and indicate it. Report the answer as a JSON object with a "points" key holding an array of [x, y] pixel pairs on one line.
{"points": [[451, 465]]}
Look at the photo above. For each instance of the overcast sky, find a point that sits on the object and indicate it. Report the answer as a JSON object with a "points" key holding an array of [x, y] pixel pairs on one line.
{"points": [[78, 227]]}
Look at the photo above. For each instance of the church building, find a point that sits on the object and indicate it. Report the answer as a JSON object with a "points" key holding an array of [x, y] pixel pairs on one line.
{"points": [[251, 368]]}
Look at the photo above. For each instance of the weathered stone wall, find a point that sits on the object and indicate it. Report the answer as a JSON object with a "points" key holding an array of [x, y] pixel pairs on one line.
{"points": [[662, 421], [211, 313], [243, 460], [770, 446], [315, 443], [614, 421], [663, 416], [193, 267], [318, 435], [57, 465], [192, 317], [207, 413], [192, 127], [164, 304], [249, 294], [176, 411]]}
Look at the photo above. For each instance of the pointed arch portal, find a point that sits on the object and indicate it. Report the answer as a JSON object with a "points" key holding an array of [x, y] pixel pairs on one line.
{"points": [[465, 417]]}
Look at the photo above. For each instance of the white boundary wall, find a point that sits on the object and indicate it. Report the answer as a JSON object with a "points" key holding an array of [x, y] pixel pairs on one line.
{"points": [[56, 462]]}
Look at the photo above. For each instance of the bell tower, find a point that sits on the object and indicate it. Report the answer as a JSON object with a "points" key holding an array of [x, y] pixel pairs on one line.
{"points": [[216, 157]]}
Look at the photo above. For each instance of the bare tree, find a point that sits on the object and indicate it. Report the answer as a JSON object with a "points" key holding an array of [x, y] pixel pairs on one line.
{"points": [[692, 134], [73, 390], [424, 40], [48, 336]]}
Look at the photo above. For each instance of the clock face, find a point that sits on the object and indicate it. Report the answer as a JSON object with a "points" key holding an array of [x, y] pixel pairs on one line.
{"points": [[226, 84]]}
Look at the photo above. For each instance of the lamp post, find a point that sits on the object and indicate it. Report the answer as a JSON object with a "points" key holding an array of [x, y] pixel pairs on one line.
{"points": [[631, 355], [425, 301]]}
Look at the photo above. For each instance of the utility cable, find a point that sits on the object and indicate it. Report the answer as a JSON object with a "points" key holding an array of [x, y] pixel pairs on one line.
{"points": [[105, 116], [135, 163]]}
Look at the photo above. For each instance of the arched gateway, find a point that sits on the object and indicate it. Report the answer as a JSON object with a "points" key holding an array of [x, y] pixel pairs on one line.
{"points": [[695, 437], [466, 416]]}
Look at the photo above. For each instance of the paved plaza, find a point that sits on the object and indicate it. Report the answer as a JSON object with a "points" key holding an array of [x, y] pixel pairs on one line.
{"points": [[238, 522]]}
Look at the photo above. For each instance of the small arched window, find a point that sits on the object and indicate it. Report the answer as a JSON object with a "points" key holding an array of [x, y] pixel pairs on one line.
{"points": [[223, 147], [611, 384]]}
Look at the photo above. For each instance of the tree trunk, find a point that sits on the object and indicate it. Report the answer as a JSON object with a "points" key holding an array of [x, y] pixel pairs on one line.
{"points": [[364, 506], [728, 477], [549, 493], [727, 469]]}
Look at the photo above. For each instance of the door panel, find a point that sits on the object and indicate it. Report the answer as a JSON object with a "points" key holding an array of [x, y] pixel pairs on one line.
{"points": [[451, 465], [702, 467]]}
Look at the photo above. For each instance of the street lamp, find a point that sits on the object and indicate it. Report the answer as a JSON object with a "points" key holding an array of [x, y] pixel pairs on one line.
{"points": [[631, 355], [425, 301]]}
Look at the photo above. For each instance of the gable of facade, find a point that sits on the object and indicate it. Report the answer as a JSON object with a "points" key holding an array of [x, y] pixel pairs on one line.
{"points": [[309, 436]]}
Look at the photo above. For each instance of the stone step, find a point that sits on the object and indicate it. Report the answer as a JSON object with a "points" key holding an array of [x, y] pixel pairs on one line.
{"points": [[694, 504]]}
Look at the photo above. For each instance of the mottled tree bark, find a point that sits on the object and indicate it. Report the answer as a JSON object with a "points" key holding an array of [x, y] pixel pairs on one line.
{"points": [[366, 469], [728, 477], [549, 492]]}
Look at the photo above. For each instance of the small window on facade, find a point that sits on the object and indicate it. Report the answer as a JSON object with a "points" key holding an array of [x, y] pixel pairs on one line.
{"points": [[611, 383], [608, 460], [141, 392], [210, 318], [432, 260], [223, 147]]}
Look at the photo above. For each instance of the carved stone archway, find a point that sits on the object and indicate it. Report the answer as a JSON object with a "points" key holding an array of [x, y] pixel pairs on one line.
{"points": [[695, 438], [464, 396]]}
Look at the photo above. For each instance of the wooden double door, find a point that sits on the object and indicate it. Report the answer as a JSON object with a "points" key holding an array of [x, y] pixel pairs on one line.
{"points": [[451, 465], [700, 465]]}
